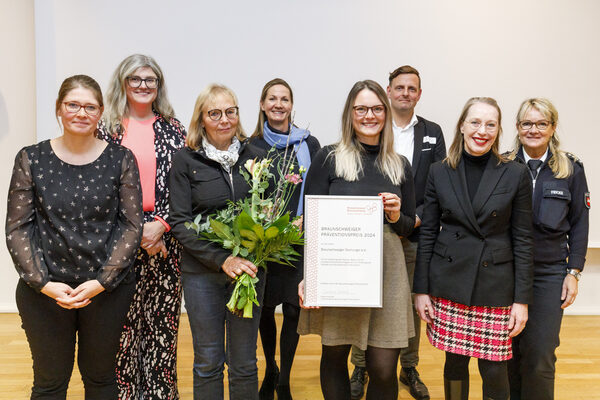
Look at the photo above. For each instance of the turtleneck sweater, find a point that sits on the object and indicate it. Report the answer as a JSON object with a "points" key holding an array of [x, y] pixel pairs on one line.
{"points": [[474, 167]]}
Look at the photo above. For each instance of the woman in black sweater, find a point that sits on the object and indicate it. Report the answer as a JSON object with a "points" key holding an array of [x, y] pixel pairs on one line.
{"points": [[474, 265], [364, 163], [276, 129], [205, 175], [73, 226]]}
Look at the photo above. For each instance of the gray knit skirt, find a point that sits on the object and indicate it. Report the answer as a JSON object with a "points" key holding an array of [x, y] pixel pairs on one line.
{"points": [[386, 327]]}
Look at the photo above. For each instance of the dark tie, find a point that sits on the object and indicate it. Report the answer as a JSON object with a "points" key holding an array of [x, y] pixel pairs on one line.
{"points": [[533, 167]]}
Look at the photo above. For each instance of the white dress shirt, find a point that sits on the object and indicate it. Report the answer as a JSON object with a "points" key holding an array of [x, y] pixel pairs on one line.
{"points": [[404, 138]]}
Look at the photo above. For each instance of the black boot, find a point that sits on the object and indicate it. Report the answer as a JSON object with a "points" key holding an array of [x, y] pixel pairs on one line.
{"points": [[417, 389], [267, 388], [456, 390], [357, 383]]}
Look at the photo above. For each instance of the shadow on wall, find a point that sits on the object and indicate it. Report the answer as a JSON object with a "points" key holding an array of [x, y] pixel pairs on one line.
{"points": [[3, 117]]}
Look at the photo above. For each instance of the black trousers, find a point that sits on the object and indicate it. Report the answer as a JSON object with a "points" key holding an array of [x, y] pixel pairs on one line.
{"points": [[52, 332], [532, 368]]}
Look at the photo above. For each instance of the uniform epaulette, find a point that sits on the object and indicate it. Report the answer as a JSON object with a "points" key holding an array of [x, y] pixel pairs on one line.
{"points": [[510, 154], [574, 158]]}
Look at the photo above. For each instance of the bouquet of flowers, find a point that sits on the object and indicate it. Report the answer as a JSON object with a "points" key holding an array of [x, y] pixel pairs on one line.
{"points": [[256, 228]]}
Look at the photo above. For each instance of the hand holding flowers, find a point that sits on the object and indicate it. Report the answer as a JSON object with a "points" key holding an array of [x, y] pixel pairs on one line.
{"points": [[256, 229]]}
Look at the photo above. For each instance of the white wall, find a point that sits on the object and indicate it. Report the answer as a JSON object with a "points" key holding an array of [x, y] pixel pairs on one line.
{"points": [[17, 114], [509, 50]]}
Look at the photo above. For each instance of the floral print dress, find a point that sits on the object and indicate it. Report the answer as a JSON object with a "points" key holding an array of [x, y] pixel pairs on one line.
{"points": [[147, 359]]}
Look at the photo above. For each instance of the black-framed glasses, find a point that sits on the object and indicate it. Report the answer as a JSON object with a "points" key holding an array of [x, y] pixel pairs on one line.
{"points": [[540, 125], [361, 111], [490, 127], [216, 114], [90, 109], [136, 81]]}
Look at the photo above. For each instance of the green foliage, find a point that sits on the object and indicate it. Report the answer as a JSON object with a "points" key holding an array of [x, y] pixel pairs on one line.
{"points": [[254, 228]]}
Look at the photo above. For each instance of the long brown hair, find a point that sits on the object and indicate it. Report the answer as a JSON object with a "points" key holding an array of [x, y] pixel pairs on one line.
{"points": [[262, 117], [348, 160]]}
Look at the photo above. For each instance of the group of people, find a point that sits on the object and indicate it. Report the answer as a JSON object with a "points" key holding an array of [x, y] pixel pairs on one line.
{"points": [[492, 245]]}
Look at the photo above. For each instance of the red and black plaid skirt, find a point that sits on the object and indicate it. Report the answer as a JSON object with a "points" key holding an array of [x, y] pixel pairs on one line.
{"points": [[475, 331]]}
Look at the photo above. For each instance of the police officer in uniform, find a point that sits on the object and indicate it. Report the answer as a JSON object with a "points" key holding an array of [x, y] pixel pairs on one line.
{"points": [[561, 219]]}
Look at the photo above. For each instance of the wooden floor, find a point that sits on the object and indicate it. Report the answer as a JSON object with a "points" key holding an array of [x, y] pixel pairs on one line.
{"points": [[578, 367]]}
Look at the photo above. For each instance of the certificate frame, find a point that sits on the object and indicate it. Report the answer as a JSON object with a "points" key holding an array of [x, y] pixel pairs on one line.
{"points": [[343, 254]]}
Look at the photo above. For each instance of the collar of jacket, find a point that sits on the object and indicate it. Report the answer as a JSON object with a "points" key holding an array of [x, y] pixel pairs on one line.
{"points": [[520, 157], [201, 151]]}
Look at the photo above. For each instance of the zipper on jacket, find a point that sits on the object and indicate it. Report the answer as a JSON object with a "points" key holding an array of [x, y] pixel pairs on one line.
{"points": [[231, 182]]}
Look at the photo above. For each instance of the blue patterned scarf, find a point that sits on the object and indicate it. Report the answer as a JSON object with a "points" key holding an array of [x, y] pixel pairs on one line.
{"points": [[296, 135]]}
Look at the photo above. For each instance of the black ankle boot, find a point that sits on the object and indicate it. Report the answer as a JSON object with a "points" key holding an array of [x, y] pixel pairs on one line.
{"points": [[456, 390], [267, 388]]}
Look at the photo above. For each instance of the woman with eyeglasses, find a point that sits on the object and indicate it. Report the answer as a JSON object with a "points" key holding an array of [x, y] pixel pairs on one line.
{"points": [[364, 163], [206, 176], [74, 221], [474, 263], [561, 205], [140, 117], [275, 128]]}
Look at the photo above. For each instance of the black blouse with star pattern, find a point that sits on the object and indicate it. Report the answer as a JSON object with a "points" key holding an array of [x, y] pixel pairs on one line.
{"points": [[73, 223]]}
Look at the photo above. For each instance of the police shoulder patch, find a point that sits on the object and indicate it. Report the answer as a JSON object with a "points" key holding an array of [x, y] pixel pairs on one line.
{"points": [[587, 200]]}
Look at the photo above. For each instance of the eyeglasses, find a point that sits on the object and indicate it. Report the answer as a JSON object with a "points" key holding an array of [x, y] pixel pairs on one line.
{"points": [[490, 127], [540, 125], [135, 82], [90, 109], [361, 111], [216, 114]]}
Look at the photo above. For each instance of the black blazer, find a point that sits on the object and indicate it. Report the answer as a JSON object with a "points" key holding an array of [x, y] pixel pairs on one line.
{"points": [[429, 147], [478, 253]]}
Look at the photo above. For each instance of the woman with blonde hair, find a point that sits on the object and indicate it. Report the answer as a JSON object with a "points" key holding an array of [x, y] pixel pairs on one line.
{"points": [[275, 128], [206, 176], [474, 264], [363, 163], [140, 117], [560, 235]]}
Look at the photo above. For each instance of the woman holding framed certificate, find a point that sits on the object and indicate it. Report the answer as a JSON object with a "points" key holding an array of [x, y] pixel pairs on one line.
{"points": [[473, 277], [363, 163]]}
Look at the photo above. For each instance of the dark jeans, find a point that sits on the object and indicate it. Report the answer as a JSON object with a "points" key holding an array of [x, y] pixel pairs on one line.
{"points": [[52, 332], [409, 356], [532, 368], [206, 296]]}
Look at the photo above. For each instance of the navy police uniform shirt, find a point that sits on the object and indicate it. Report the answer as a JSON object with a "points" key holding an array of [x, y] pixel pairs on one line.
{"points": [[560, 215]]}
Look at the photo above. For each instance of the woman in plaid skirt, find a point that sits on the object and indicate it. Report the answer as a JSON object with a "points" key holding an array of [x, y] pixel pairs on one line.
{"points": [[473, 278]]}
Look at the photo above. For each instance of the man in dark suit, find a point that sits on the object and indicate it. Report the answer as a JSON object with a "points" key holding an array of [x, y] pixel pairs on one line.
{"points": [[422, 143]]}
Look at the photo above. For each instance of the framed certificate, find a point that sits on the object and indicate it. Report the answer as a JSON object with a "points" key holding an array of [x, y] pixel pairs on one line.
{"points": [[343, 255]]}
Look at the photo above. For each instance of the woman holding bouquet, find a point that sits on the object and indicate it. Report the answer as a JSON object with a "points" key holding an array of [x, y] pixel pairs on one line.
{"points": [[140, 117], [364, 163], [206, 175], [275, 128]]}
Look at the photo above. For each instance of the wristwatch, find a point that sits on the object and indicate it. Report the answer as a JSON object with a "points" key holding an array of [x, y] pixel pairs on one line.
{"points": [[574, 272]]}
